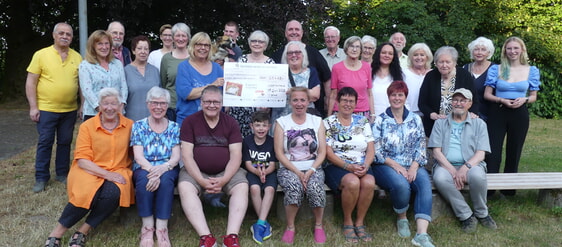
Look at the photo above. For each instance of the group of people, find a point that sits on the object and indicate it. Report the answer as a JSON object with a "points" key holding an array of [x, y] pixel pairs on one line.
{"points": [[356, 117]]}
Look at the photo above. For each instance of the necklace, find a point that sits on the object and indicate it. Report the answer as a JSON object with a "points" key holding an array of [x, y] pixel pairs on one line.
{"points": [[157, 127], [110, 129]]}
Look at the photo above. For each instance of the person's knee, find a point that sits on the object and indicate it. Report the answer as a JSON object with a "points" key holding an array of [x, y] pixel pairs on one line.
{"points": [[239, 189], [254, 188], [269, 190], [368, 182], [350, 182]]}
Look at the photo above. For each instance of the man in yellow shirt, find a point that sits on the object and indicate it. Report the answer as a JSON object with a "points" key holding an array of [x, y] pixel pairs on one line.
{"points": [[52, 92]]}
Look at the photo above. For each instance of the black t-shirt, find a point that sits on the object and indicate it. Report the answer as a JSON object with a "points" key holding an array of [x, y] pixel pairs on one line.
{"points": [[258, 153]]}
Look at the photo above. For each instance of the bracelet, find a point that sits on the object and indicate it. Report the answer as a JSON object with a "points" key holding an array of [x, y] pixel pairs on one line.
{"points": [[345, 165], [312, 168], [169, 167], [526, 100]]}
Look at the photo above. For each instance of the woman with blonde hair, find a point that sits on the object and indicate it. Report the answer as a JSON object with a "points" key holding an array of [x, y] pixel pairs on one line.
{"points": [[510, 86], [419, 63], [195, 74], [100, 70]]}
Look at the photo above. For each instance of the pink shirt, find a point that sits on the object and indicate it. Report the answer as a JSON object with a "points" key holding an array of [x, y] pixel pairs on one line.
{"points": [[360, 80]]}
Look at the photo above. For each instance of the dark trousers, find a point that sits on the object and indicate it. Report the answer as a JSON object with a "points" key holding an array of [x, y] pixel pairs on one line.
{"points": [[105, 201], [514, 123], [53, 124]]}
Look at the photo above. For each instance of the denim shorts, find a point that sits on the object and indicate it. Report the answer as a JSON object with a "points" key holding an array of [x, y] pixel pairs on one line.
{"points": [[334, 175], [270, 180]]}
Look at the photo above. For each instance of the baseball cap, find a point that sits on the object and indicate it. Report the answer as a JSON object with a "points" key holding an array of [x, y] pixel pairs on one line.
{"points": [[464, 92]]}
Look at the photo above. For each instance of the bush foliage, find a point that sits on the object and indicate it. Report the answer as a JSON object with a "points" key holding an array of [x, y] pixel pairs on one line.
{"points": [[25, 27], [457, 22]]}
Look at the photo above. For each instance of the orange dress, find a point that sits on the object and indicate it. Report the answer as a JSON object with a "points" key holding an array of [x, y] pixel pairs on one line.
{"points": [[108, 150]]}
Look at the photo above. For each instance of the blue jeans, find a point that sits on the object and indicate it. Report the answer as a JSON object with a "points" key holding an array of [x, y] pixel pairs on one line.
{"points": [[400, 190], [51, 123], [159, 202]]}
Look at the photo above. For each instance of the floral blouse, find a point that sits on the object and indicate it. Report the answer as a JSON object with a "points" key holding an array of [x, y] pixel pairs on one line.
{"points": [[349, 142], [402, 142], [94, 77]]}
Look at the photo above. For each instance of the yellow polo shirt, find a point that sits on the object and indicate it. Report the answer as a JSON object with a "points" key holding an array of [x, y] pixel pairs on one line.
{"points": [[57, 86]]}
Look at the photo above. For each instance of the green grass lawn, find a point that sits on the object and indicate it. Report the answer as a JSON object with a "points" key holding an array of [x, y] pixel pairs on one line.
{"points": [[27, 218]]}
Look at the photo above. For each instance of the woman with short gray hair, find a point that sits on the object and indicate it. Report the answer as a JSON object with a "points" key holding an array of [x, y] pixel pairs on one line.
{"points": [[300, 75], [481, 50], [258, 42], [354, 73], [99, 180], [439, 84], [369, 45], [155, 141], [181, 34]]}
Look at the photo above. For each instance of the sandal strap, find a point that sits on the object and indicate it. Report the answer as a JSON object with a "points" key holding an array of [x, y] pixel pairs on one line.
{"points": [[78, 239], [361, 233], [53, 242]]}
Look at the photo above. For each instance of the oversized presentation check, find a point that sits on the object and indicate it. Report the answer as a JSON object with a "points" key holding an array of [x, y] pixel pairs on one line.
{"points": [[255, 84]]}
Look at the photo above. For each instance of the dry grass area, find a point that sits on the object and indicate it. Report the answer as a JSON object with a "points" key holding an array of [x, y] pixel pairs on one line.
{"points": [[27, 218]]}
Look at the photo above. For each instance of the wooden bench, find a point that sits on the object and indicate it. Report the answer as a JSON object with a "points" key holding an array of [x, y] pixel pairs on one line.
{"points": [[549, 185]]}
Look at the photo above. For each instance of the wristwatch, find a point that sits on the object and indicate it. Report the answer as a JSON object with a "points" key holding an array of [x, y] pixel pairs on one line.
{"points": [[468, 165]]}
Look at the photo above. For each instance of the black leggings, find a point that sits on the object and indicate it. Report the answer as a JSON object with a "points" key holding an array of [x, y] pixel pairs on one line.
{"points": [[514, 123], [105, 201]]}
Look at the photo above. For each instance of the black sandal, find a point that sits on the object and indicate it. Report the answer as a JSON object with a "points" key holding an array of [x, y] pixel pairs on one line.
{"points": [[78, 239], [53, 242]]}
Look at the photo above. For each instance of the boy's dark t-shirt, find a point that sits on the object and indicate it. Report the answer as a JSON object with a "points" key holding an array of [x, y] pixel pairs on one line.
{"points": [[258, 153]]}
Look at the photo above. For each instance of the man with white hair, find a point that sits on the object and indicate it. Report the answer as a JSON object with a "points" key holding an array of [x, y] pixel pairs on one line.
{"points": [[459, 144], [399, 41], [117, 31], [332, 53]]}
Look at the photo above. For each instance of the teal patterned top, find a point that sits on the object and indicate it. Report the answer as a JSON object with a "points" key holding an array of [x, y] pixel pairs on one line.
{"points": [[157, 147]]}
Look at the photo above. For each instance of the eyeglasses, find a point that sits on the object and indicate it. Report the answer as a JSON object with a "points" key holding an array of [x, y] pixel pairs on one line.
{"points": [[211, 102], [199, 45], [368, 48], [257, 41], [330, 37], [462, 101], [355, 47], [158, 103], [294, 53]]}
